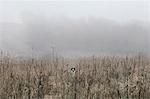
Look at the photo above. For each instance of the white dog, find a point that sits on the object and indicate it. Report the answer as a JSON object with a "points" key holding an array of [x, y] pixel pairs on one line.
{"points": [[71, 69]]}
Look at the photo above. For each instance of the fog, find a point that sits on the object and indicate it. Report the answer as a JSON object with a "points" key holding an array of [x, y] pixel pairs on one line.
{"points": [[31, 31]]}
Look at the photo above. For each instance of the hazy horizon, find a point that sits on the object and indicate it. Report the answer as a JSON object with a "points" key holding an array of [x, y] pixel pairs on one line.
{"points": [[75, 28]]}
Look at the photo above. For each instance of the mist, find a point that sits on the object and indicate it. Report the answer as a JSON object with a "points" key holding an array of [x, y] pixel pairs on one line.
{"points": [[83, 35], [69, 36]]}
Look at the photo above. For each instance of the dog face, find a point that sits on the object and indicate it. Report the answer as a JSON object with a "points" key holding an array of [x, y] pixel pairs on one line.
{"points": [[73, 69]]}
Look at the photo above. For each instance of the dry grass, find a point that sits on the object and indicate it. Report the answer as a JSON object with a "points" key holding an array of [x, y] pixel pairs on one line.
{"points": [[94, 78]]}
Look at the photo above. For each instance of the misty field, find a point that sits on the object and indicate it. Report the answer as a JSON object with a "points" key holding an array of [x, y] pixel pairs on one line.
{"points": [[103, 77]]}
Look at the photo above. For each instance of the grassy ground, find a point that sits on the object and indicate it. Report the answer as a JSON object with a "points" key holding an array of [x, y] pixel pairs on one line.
{"points": [[104, 77]]}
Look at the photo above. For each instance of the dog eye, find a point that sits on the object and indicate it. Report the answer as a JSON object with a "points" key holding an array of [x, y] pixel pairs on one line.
{"points": [[73, 69]]}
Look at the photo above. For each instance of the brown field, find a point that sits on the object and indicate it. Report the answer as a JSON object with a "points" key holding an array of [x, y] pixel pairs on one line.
{"points": [[103, 77]]}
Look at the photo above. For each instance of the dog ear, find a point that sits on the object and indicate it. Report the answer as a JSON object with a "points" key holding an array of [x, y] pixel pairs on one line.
{"points": [[67, 65]]}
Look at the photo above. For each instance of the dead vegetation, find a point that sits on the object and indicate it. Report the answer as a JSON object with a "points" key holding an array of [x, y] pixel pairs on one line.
{"points": [[105, 77]]}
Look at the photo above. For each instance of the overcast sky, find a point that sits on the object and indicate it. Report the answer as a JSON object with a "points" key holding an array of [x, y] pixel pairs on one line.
{"points": [[119, 10], [75, 26]]}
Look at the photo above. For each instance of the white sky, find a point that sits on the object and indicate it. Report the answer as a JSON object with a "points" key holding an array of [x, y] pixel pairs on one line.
{"points": [[119, 10]]}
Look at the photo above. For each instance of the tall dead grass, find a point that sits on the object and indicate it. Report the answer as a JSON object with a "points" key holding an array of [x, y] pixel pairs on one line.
{"points": [[104, 77]]}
